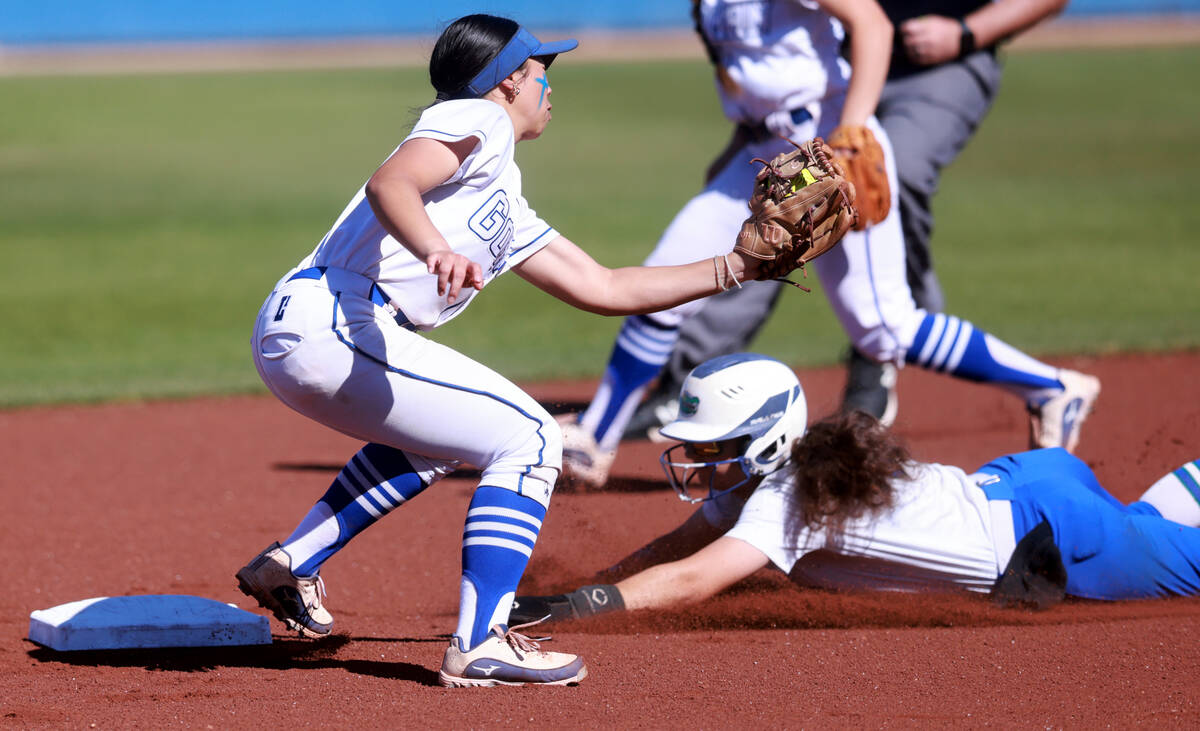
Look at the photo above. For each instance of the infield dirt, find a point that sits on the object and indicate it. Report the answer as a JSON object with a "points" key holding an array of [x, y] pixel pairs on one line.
{"points": [[173, 497]]}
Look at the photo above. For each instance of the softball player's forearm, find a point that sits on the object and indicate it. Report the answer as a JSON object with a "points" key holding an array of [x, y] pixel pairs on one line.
{"points": [[666, 585], [692, 535], [563, 270], [717, 566], [638, 290], [870, 34]]}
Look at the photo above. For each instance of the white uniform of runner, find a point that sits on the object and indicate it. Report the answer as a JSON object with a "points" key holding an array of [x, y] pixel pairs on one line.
{"points": [[942, 532], [785, 62], [336, 342]]}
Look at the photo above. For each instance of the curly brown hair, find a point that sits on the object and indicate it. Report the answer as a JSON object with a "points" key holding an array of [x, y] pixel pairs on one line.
{"points": [[843, 469]]}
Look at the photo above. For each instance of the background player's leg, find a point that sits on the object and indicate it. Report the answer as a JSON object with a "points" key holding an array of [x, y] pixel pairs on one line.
{"points": [[706, 226], [1058, 399], [865, 281], [642, 347], [929, 116], [726, 323], [951, 345]]}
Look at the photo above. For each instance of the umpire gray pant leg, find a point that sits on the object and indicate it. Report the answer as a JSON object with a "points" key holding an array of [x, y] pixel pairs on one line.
{"points": [[727, 323], [929, 117]]}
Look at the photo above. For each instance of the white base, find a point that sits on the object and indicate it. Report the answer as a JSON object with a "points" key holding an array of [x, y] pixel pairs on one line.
{"points": [[160, 620]]}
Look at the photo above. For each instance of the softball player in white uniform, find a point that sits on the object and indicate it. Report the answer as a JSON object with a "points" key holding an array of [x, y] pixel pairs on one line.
{"points": [[780, 74], [339, 341], [842, 505]]}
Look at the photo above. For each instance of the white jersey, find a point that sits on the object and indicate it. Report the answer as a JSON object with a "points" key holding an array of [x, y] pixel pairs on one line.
{"points": [[781, 55], [480, 211], [938, 534]]}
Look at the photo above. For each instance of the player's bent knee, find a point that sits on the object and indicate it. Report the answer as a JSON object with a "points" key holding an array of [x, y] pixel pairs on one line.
{"points": [[530, 461]]}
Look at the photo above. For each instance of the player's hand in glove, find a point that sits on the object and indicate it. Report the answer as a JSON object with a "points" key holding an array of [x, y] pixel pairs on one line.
{"points": [[857, 151], [801, 207]]}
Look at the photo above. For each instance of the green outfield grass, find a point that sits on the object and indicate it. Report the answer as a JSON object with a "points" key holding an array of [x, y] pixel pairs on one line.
{"points": [[144, 218]]}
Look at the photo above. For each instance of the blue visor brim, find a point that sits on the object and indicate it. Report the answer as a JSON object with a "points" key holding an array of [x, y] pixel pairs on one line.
{"points": [[522, 46]]}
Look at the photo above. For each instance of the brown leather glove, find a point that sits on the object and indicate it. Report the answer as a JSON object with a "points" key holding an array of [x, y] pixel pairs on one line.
{"points": [[859, 154], [801, 207]]}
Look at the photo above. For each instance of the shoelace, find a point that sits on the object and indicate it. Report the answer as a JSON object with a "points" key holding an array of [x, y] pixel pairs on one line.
{"points": [[521, 643], [319, 583]]}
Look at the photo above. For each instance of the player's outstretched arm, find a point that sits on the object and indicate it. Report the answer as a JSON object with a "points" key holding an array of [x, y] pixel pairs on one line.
{"points": [[717, 566], [567, 272], [692, 535], [801, 207]]}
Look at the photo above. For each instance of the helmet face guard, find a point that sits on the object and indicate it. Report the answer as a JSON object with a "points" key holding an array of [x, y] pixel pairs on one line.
{"points": [[685, 476], [747, 397]]}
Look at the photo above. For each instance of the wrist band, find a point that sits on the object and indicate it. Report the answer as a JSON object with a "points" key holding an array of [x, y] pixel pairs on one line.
{"points": [[588, 601], [966, 41]]}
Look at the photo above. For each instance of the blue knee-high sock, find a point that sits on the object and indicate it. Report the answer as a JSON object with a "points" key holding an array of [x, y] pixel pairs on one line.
{"points": [[374, 482], [642, 348], [951, 345], [498, 539]]}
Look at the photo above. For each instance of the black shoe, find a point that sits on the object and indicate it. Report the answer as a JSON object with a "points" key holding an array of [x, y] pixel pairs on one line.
{"points": [[870, 388]]}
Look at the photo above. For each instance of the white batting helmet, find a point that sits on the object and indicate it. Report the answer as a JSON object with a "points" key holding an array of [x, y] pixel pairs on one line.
{"points": [[740, 396]]}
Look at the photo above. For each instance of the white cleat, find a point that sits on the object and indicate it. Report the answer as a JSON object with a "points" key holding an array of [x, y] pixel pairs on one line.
{"points": [[1056, 422], [585, 464], [508, 658], [295, 601]]}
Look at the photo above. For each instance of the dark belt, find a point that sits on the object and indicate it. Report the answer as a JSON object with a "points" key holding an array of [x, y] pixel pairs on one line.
{"points": [[760, 133], [375, 293]]}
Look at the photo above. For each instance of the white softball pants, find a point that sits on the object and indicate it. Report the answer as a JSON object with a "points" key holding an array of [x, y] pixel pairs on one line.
{"points": [[863, 277], [325, 350]]}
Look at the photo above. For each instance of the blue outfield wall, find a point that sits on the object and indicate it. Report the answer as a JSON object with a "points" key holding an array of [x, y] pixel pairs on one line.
{"points": [[25, 23]]}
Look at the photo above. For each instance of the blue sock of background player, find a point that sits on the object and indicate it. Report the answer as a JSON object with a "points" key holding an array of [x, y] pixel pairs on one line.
{"points": [[639, 353], [942, 343], [498, 539], [947, 344]]}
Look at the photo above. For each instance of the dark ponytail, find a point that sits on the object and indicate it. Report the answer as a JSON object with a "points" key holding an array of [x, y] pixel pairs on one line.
{"points": [[464, 48]]}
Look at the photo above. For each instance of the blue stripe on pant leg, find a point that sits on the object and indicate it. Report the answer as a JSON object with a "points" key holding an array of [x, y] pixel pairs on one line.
{"points": [[375, 481], [498, 538]]}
